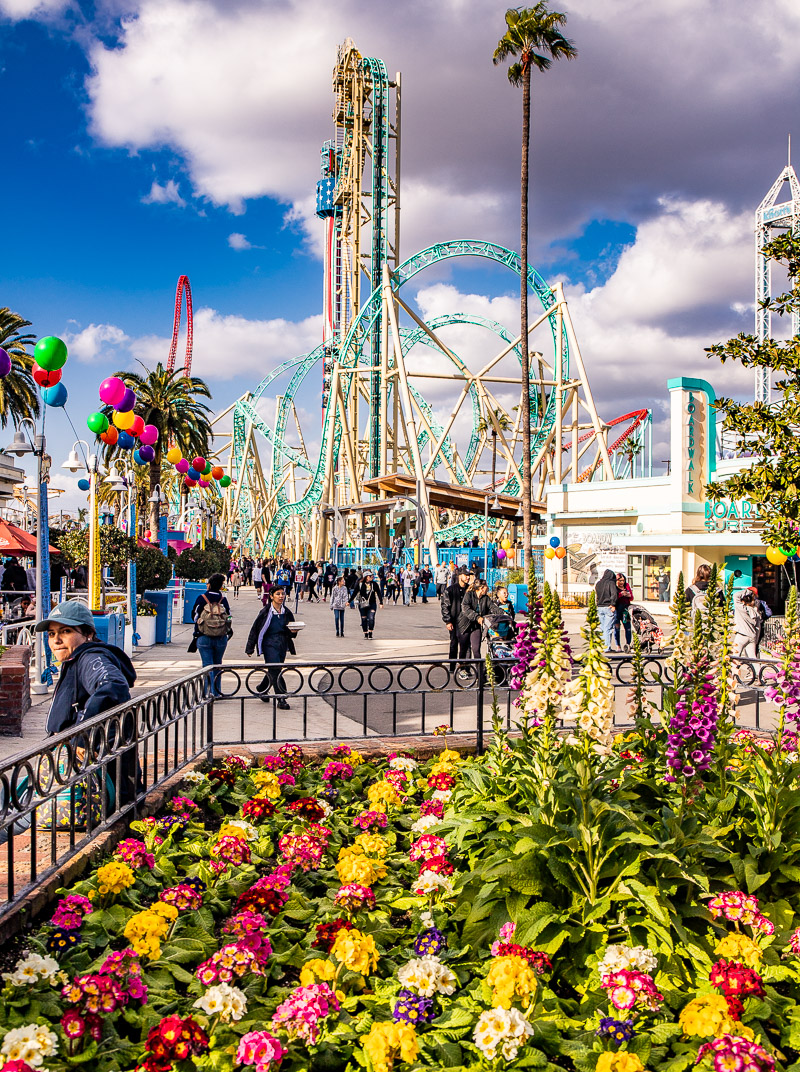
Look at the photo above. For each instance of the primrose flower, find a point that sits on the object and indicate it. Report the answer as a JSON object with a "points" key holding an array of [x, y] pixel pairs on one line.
{"points": [[619, 1062], [113, 878], [427, 976], [33, 967], [501, 1032], [261, 1049], [31, 1044], [389, 1041], [413, 1008], [619, 957], [732, 1053], [353, 897], [707, 1016], [223, 1000], [301, 1013], [616, 1030], [356, 951]]}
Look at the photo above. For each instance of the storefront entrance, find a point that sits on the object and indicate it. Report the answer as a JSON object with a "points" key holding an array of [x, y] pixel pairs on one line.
{"points": [[773, 582]]}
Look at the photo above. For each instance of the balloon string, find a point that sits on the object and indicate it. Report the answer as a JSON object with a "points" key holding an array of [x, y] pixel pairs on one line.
{"points": [[78, 439]]}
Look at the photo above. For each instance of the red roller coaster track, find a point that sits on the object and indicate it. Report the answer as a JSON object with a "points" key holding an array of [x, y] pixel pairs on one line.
{"points": [[183, 286]]}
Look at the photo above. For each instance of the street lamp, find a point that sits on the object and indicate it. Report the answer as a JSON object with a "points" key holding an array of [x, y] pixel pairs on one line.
{"points": [[123, 482], [156, 498], [33, 443]]}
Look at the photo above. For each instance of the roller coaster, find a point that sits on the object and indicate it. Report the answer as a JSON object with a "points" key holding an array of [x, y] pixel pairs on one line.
{"points": [[429, 400]]}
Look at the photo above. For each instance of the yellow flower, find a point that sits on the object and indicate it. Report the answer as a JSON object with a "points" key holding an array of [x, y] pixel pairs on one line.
{"points": [[166, 911], [228, 830], [360, 869], [355, 759], [511, 977], [739, 947], [619, 1062], [356, 951], [387, 1042], [267, 783], [317, 971], [114, 878], [707, 1016], [383, 795], [146, 929], [371, 845]]}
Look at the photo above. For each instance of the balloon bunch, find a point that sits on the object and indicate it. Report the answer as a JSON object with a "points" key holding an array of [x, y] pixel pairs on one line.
{"points": [[778, 555], [555, 550], [49, 358], [505, 551], [125, 426], [198, 472]]}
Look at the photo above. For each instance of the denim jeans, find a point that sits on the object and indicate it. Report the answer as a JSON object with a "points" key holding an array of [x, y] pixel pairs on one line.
{"points": [[622, 618], [406, 596], [367, 619], [212, 652], [338, 617], [606, 615]]}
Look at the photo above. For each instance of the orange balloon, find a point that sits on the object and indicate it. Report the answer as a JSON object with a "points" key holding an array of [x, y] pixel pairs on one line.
{"points": [[110, 436], [218, 472], [560, 552]]}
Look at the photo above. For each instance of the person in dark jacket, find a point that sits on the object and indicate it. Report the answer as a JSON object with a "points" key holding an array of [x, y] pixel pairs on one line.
{"points": [[368, 596], [606, 594], [15, 579], [425, 578], [475, 606], [211, 648], [271, 637], [94, 678], [450, 603]]}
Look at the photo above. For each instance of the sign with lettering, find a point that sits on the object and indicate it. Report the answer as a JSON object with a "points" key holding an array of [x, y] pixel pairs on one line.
{"points": [[695, 446], [733, 515]]}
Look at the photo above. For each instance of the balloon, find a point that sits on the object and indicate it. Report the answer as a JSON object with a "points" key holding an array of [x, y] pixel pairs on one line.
{"points": [[50, 353], [189, 483], [127, 402], [193, 473], [182, 466], [123, 420], [207, 468], [125, 441], [174, 455], [775, 556], [218, 472], [149, 435], [146, 452], [97, 423], [147, 535], [501, 555], [138, 425], [45, 378], [5, 363], [554, 542], [203, 483], [560, 552], [506, 544], [224, 481], [199, 464], [789, 551], [110, 436], [549, 552], [138, 458], [112, 391], [84, 484], [55, 395]]}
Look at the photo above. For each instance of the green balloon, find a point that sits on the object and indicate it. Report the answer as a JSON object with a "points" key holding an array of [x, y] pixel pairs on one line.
{"points": [[50, 353], [224, 481], [97, 423], [207, 469]]}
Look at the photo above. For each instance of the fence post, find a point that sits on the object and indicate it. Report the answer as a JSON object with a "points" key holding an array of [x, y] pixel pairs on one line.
{"points": [[209, 726], [481, 680]]}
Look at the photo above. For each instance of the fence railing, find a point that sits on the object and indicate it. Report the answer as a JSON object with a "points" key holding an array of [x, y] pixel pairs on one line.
{"points": [[55, 798]]}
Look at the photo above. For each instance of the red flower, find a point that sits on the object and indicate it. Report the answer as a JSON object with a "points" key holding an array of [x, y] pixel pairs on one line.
{"points": [[440, 865], [258, 809], [308, 808], [326, 933]]}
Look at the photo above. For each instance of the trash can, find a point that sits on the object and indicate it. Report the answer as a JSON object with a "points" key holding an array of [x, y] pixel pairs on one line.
{"points": [[191, 590], [162, 601], [518, 594], [110, 629]]}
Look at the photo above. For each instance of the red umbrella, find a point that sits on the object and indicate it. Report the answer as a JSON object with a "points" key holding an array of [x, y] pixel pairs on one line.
{"points": [[15, 541]]}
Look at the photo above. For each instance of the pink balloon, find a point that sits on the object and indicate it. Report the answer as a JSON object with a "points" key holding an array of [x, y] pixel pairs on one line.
{"points": [[203, 483], [112, 390], [500, 554], [148, 435], [199, 464], [182, 466]]}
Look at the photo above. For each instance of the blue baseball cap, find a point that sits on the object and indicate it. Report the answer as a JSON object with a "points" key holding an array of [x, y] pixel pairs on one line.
{"points": [[71, 612]]}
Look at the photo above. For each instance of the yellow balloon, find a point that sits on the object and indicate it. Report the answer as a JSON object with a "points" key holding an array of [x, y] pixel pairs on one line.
{"points": [[124, 420], [173, 455], [549, 552], [775, 556], [506, 544]]}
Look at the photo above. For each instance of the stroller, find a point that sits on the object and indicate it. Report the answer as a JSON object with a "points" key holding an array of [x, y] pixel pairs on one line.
{"points": [[647, 628], [501, 633]]}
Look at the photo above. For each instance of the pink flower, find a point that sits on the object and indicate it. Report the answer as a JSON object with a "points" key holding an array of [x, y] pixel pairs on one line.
{"points": [[302, 1011], [260, 1048], [507, 931]]}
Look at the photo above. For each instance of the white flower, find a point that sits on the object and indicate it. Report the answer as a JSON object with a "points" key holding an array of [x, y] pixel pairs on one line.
{"points": [[427, 976], [425, 822], [403, 763], [426, 918], [504, 1029], [442, 794], [31, 1043], [31, 968], [627, 958], [223, 1000], [430, 882], [194, 777], [326, 807], [249, 831]]}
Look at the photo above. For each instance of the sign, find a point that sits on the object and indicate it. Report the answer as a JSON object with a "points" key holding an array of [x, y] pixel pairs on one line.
{"points": [[695, 446], [733, 515], [590, 552], [777, 212]]}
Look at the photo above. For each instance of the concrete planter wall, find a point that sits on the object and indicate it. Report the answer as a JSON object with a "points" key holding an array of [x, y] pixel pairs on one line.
{"points": [[15, 689]]}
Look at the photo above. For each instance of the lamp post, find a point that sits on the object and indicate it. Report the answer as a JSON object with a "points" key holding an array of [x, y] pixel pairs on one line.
{"points": [[95, 471], [121, 483], [32, 443], [157, 498]]}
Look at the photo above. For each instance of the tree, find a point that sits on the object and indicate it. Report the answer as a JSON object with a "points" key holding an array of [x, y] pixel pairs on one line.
{"points": [[496, 422], [153, 570], [533, 37], [19, 396], [115, 547], [768, 432], [170, 401]]}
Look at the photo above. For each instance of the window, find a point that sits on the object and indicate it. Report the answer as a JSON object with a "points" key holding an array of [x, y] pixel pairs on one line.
{"points": [[657, 585], [635, 575]]}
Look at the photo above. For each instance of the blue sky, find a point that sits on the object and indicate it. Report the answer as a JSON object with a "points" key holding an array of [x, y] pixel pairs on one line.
{"points": [[626, 160]]}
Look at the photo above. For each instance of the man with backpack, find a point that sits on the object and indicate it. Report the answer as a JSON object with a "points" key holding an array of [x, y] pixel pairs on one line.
{"points": [[212, 627]]}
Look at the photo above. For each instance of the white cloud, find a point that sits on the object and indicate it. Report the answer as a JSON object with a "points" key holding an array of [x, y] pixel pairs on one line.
{"points": [[168, 194], [32, 9], [239, 241], [93, 344]]}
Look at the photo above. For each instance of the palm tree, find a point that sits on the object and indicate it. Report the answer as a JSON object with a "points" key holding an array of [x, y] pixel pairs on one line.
{"points": [[533, 37], [497, 421], [170, 401], [18, 393]]}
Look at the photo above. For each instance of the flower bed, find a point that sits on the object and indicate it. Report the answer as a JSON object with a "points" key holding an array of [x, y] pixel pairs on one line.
{"points": [[562, 902]]}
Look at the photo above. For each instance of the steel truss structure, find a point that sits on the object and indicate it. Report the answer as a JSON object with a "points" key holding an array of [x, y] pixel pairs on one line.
{"points": [[397, 396]]}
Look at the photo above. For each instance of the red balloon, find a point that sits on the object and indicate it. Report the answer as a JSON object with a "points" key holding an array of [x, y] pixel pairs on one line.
{"points": [[199, 464], [110, 436], [189, 483], [147, 535], [137, 427], [46, 377]]}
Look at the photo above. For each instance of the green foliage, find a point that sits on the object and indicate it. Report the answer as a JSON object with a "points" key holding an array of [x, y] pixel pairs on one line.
{"points": [[194, 564], [153, 570], [768, 432], [115, 547], [534, 35], [220, 555], [19, 395]]}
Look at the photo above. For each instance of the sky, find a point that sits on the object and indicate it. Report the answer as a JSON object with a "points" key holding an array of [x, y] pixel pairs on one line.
{"points": [[146, 139]]}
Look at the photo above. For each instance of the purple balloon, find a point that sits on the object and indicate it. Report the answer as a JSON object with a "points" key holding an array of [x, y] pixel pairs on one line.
{"points": [[182, 466], [146, 453], [128, 401], [5, 363]]}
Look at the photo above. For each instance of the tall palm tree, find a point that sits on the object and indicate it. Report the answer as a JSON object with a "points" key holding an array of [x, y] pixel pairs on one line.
{"points": [[170, 401], [19, 396], [533, 37], [497, 421]]}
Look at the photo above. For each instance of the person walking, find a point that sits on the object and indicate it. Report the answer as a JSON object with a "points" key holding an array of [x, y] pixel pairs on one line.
{"points": [[425, 578], [300, 582], [622, 614], [339, 600], [450, 604], [271, 637], [475, 606], [699, 585], [606, 594], [211, 614], [407, 580], [392, 590], [313, 578], [368, 600], [747, 619], [415, 582], [441, 578], [236, 581], [258, 579], [329, 579]]}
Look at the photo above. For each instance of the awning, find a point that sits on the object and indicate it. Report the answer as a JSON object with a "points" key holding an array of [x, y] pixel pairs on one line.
{"points": [[16, 541]]}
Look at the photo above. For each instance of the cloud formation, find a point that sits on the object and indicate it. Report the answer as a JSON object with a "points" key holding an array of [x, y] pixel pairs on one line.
{"points": [[96, 343], [168, 194], [32, 9]]}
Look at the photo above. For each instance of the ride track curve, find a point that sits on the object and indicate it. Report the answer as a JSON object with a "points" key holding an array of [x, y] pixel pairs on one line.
{"points": [[183, 287]]}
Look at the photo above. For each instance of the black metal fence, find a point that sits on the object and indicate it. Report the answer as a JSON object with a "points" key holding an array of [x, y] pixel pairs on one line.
{"points": [[57, 797]]}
